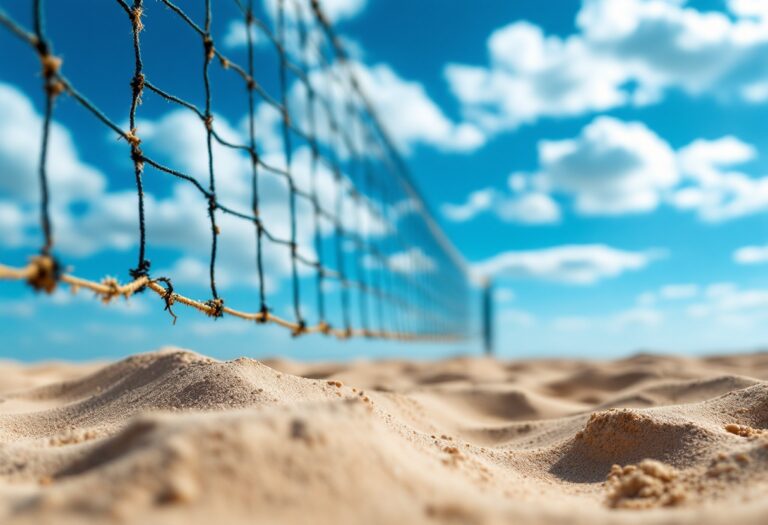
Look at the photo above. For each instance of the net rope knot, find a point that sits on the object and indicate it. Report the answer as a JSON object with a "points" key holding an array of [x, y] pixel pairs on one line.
{"points": [[263, 314], [132, 138], [216, 308], [112, 291], [210, 50], [136, 13], [44, 272], [51, 65], [140, 271], [137, 84], [300, 328]]}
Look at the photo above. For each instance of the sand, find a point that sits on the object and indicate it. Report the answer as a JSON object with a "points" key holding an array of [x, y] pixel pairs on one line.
{"points": [[175, 437]]}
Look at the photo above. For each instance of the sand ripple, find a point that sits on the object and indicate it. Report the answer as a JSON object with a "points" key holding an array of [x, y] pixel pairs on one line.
{"points": [[175, 437]]}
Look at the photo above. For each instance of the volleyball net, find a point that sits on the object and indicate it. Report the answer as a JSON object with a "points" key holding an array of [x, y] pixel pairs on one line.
{"points": [[334, 215]]}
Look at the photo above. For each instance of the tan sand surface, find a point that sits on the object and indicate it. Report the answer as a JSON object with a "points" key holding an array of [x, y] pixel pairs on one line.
{"points": [[176, 437]]}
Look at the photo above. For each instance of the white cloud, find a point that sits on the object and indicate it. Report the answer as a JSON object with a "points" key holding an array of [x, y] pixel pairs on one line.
{"points": [[612, 167], [412, 261], [14, 222], [477, 202], [748, 8], [503, 295], [751, 255], [531, 76], [728, 304], [669, 292], [674, 292], [571, 264], [644, 317], [410, 115], [237, 35], [703, 160], [647, 299], [713, 190], [515, 317], [625, 52], [527, 207], [70, 179], [335, 10]]}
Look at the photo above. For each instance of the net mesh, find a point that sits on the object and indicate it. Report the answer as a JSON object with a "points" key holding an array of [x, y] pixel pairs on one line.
{"points": [[374, 262]]}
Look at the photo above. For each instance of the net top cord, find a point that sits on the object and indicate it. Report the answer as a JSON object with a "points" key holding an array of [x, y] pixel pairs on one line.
{"points": [[373, 236]]}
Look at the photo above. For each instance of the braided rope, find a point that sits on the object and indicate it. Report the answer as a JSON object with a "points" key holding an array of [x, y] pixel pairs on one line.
{"points": [[37, 271]]}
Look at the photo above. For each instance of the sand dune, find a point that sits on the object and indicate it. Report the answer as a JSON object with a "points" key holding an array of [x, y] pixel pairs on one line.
{"points": [[175, 437]]}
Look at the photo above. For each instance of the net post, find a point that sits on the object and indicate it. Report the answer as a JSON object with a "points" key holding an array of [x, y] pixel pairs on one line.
{"points": [[487, 311]]}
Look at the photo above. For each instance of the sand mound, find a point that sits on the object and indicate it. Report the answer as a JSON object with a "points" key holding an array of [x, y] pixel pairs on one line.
{"points": [[175, 437]]}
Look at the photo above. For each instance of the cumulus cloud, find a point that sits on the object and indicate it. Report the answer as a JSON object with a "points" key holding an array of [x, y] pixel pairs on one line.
{"points": [[570, 264], [70, 178], [714, 190], [412, 261], [477, 202], [614, 167], [410, 115], [71, 181], [751, 255], [748, 8], [527, 207], [625, 52]]}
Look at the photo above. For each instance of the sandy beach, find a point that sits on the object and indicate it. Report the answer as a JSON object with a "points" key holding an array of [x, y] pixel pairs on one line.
{"points": [[175, 437]]}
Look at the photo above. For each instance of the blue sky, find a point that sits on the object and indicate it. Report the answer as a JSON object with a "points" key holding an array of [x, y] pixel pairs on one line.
{"points": [[604, 159]]}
